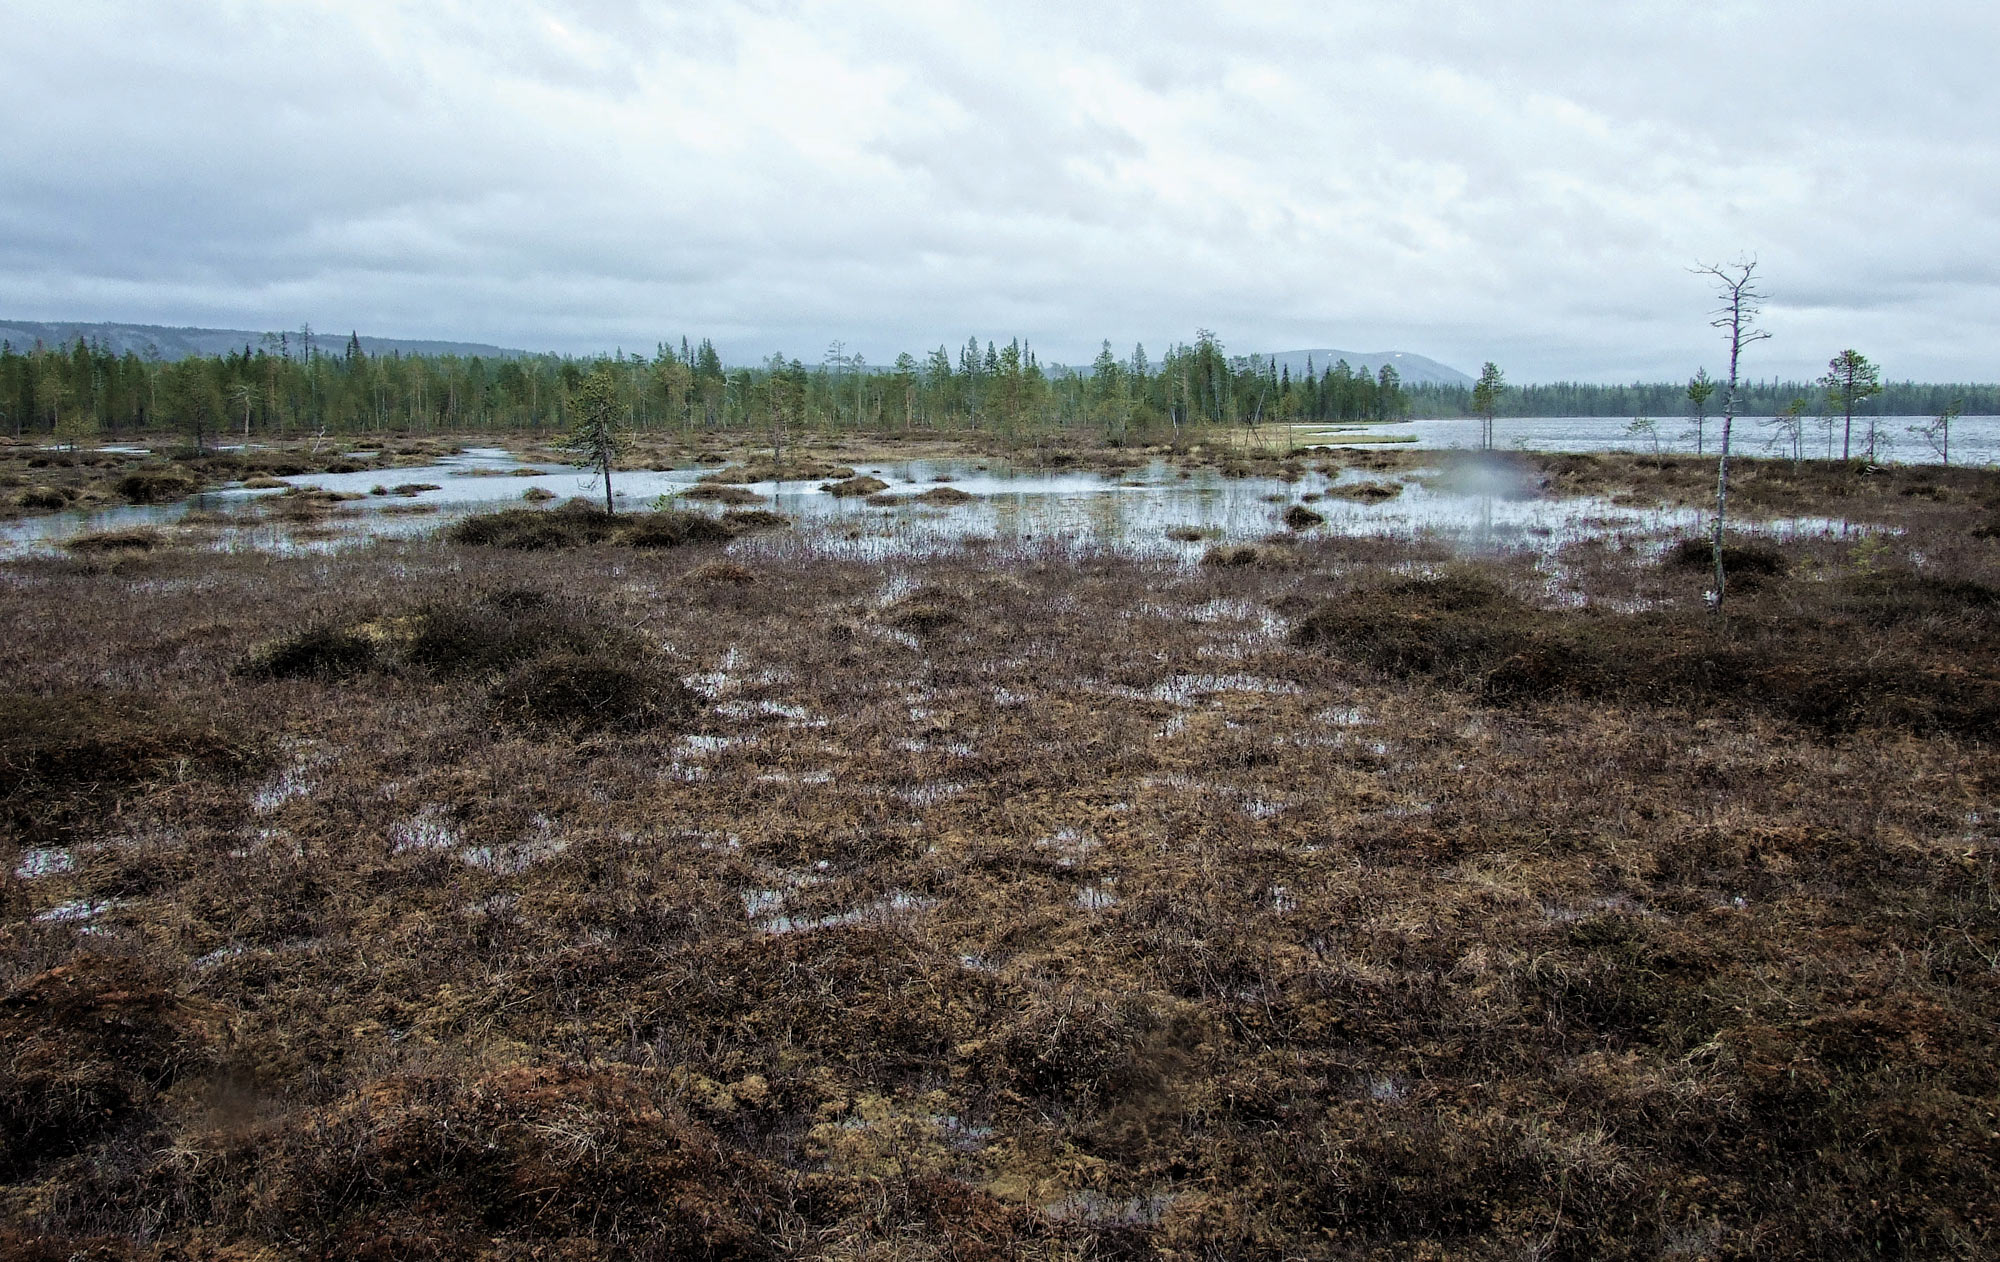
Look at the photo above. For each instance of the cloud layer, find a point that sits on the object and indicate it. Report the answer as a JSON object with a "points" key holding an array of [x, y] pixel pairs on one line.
{"points": [[1528, 184]]}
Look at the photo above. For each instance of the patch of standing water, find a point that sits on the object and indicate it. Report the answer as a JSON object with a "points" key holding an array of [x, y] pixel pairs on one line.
{"points": [[1016, 509], [75, 909], [44, 862], [426, 830], [1098, 896]]}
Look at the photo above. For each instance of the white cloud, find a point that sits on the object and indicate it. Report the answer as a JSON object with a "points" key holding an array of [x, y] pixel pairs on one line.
{"points": [[1459, 180]]}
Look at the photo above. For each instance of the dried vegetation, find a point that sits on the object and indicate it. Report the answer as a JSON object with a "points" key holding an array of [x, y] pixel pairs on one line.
{"points": [[1342, 900]]}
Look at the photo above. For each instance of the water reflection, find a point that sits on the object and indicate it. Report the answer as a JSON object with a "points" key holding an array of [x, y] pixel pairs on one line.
{"points": [[1975, 440], [1130, 511]]}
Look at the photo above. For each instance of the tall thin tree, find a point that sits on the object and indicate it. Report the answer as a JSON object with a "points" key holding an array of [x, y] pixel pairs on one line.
{"points": [[1850, 381], [1486, 401], [1738, 305]]}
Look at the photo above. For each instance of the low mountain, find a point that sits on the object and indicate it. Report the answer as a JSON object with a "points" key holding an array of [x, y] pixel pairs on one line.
{"points": [[179, 343]]}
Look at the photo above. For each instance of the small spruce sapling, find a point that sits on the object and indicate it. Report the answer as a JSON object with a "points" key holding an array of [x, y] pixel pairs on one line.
{"points": [[597, 437], [1700, 391]]}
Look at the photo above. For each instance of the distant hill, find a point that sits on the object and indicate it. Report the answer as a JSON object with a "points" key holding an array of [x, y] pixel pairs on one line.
{"points": [[1413, 369], [179, 343]]}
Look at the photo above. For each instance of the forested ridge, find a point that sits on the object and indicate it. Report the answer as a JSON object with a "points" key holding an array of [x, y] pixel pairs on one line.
{"points": [[86, 390], [1663, 399]]}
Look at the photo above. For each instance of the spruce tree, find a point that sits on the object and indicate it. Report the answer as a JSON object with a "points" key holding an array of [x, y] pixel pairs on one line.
{"points": [[597, 437]]}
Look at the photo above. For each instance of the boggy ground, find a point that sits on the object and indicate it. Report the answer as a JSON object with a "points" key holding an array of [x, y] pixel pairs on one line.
{"points": [[438, 900]]}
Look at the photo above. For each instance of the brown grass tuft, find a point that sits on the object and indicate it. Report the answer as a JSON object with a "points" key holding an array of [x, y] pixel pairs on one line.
{"points": [[117, 541], [593, 692], [852, 488]]}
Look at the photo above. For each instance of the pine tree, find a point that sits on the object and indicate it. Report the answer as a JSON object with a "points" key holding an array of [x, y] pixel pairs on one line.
{"points": [[1486, 394], [1851, 381]]}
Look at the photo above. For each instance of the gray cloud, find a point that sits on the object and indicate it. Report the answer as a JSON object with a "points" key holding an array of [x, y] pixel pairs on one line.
{"points": [[1453, 179]]}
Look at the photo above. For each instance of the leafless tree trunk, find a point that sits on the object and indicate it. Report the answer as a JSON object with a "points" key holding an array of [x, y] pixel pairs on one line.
{"points": [[1736, 313]]}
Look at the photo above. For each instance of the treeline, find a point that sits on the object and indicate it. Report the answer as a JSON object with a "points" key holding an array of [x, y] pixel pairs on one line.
{"points": [[1665, 399], [84, 391], [278, 389]]}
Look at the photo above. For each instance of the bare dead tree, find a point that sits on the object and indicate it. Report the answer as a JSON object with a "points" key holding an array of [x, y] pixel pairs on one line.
{"points": [[1738, 305]]}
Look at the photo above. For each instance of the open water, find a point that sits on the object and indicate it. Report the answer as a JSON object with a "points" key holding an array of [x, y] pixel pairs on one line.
{"points": [[1129, 511]]}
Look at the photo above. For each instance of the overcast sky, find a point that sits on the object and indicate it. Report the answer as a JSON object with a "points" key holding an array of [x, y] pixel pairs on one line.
{"points": [[1522, 182]]}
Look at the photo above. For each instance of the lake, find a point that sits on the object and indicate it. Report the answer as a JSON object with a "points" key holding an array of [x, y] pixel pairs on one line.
{"points": [[1974, 439]]}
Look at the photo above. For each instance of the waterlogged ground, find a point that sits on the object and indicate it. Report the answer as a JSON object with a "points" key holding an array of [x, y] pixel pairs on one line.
{"points": [[1157, 508], [1341, 897], [1974, 440]]}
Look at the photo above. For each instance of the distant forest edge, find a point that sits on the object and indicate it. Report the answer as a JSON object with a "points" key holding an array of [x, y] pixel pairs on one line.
{"points": [[84, 389]]}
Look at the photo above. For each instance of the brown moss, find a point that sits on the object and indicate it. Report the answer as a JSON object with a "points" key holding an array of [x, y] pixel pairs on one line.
{"points": [[723, 572], [496, 630], [1100, 923], [853, 488], [527, 530], [1465, 630], [672, 528], [594, 692], [157, 486], [924, 612], [433, 1166], [1365, 492], [85, 1050], [755, 519], [721, 493], [46, 498], [1737, 559], [82, 740], [797, 469], [319, 651], [117, 541]]}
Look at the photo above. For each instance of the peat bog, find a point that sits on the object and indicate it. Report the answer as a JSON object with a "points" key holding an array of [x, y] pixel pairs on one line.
{"points": [[561, 886]]}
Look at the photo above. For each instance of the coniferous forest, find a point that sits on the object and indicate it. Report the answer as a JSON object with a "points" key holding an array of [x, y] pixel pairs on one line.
{"points": [[293, 388]]}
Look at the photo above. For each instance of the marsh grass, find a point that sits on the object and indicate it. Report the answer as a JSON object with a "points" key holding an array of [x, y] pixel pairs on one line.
{"points": [[592, 692], [573, 525], [1738, 559], [322, 652], [721, 493], [1361, 899], [1464, 629], [855, 488], [117, 541], [158, 486]]}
